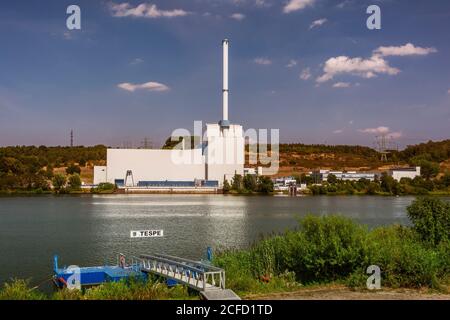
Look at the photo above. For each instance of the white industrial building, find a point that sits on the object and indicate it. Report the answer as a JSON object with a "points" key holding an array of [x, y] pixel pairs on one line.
{"points": [[399, 173], [322, 175], [220, 156]]}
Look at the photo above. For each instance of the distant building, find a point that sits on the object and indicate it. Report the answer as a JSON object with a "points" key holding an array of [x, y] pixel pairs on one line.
{"points": [[283, 184], [253, 171], [322, 175], [399, 173]]}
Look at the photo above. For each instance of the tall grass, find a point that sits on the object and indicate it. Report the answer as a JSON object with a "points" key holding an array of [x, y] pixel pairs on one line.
{"points": [[19, 290], [335, 248], [123, 290]]}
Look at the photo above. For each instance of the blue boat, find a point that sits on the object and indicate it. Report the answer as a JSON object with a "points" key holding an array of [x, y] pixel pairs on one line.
{"points": [[79, 277]]}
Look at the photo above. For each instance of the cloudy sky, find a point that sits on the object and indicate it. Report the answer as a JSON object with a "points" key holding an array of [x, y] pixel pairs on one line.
{"points": [[310, 68]]}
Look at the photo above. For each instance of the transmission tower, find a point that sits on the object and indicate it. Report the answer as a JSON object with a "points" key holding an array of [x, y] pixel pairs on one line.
{"points": [[384, 143], [147, 143], [71, 138]]}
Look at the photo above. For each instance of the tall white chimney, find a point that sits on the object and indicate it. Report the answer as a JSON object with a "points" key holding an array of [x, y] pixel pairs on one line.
{"points": [[225, 122]]}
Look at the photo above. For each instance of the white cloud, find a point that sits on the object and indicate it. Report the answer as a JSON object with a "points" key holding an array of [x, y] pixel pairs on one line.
{"points": [[294, 5], [382, 130], [306, 74], [378, 130], [238, 16], [292, 63], [144, 10], [338, 131], [136, 61], [341, 85], [448, 91], [262, 61], [407, 50], [318, 23], [150, 86], [343, 4], [367, 68], [370, 67]]}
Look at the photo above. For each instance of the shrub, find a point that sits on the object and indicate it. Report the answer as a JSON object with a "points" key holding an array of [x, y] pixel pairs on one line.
{"points": [[104, 187], [250, 182], [265, 184], [237, 183], [431, 219], [19, 290], [72, 169], [337, 249], [75, 182], [226, 186], [329, 248], [59, 181], [135, 290], [404, 260]]}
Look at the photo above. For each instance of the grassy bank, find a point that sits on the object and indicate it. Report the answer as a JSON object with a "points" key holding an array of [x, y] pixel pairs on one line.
{"points": [[336, 249], [132, 290]]}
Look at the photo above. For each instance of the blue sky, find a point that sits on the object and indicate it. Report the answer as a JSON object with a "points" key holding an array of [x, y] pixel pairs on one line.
{"points": [[310, 68]]}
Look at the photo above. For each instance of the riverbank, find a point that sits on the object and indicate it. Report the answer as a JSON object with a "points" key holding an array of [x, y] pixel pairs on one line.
{"points": [[341, 292], [19, 290], [336, 249]]}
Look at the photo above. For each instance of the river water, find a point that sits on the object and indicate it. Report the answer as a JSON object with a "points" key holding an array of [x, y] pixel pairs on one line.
{"points": [[92, 229]]}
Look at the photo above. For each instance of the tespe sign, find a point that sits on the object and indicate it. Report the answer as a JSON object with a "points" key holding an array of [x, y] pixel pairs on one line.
{"points": [[147, 234]]}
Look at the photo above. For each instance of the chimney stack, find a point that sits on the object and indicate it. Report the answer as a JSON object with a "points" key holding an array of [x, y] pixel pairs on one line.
{"points": [[225, 123]]}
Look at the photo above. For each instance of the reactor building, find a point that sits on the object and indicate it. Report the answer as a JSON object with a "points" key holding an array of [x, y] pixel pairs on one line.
{"points": [[218, 157]]}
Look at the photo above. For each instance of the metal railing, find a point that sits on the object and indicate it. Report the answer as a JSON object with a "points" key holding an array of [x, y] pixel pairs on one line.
{"points": [[192, 273]]}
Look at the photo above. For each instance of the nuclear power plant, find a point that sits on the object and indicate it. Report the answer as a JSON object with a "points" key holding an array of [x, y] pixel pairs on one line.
{"points": [[218, 157]]}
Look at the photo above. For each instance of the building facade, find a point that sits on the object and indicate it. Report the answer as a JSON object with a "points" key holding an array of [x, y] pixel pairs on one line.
{"points": [[322, 175], [399, 173]]}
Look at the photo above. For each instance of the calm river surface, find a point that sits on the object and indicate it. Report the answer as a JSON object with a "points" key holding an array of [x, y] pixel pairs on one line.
{"points": [[91, 230]]}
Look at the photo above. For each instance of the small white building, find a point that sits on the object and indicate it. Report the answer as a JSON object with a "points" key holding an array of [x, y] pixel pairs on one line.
{"points": [[399, 173]]}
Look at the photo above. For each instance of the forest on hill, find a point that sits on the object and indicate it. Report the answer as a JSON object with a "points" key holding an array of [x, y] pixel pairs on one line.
{"points": [[32, 167]]}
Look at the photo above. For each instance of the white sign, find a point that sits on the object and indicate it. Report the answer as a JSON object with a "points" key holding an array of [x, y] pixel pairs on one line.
{"points": [[147, 234]]}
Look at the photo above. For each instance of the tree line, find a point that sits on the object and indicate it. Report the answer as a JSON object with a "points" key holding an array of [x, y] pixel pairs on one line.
{"points": [[31, 168]]}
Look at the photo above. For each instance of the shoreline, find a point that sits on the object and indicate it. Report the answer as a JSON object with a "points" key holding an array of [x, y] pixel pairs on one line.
{"points": [[6, 193], [342, 292]]}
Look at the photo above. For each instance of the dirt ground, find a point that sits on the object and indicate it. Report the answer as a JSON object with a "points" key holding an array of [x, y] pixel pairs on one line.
{"points": [[87, 173], [344, 293]]}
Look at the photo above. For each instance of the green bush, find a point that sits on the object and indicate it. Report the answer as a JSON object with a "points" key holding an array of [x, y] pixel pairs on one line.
{"points": [[105, 187], [59, 181], [135, 290], [334, 248], [431, 219], [72, 169], [329, 248], [74, 182], [265, 184], [404, 260], [226, 186]]}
